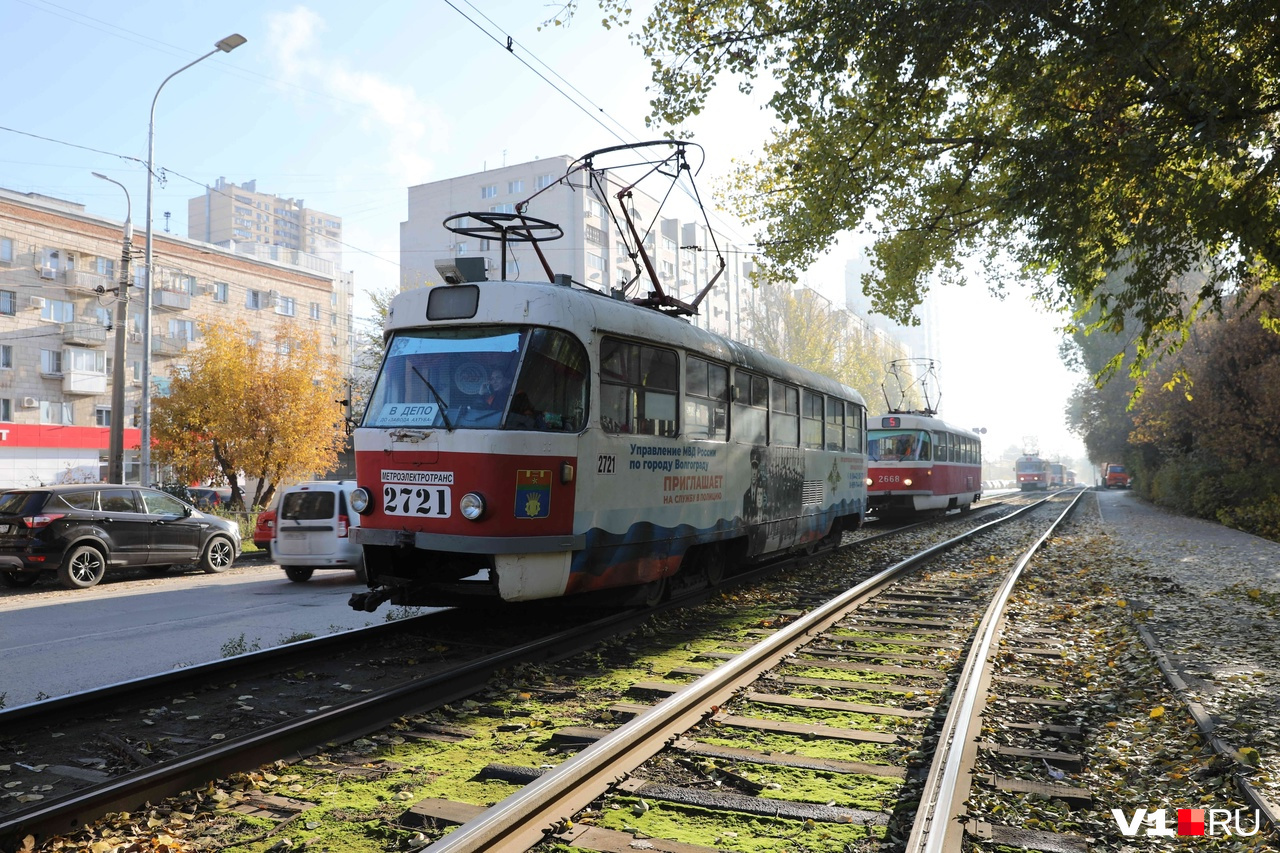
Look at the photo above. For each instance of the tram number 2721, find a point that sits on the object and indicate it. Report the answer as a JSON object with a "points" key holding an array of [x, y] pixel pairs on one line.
{"points": [[416, 500]]}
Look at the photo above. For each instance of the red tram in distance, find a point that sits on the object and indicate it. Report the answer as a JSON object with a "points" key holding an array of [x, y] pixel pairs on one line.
{"points": [[1033, 473], [1057, 475], [917, 462]]}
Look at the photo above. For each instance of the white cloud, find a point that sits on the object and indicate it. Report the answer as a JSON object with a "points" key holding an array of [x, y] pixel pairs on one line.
{"points": [[394, 115]]}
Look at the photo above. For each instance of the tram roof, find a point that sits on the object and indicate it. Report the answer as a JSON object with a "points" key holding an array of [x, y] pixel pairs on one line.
{"points": [[586, 312], [916, 420]]}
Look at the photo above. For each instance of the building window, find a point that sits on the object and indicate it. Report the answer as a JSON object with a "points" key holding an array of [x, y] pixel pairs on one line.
{"points": [[51, 361], [102, 416], [6, 250], [516, 186], [58, 310], [490, 191], [286, 305], [55, 413], [544, 181], [50, 262], [461, 248], [315, 310], [595, 261], [182, 329], [502, 208], [595, 208], [6, 356], [105, 266], [221, 291], [255, 300], [8, 302], [81, 360], [6, 409]]}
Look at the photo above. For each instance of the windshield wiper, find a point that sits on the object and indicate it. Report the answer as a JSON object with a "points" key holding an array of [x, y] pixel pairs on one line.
{"points": [[444, 407]]}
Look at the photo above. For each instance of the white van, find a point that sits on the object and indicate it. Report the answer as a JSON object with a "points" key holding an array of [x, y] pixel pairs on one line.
{"points": [[313, 526]]}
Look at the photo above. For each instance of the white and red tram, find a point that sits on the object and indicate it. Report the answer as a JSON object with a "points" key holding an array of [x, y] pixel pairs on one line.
{"points": [[917, 462], [631, 447], [1032, 473]]}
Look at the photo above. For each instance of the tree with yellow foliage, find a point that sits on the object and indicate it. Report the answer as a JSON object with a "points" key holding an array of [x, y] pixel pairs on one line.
{"points": [[237, 406], [801, 327]]}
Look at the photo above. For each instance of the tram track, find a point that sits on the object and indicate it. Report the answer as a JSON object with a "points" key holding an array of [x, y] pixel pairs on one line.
{"points": [[894, 605], [293, 736]]}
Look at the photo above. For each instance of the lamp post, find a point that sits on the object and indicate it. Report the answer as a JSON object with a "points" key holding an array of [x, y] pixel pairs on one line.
{"points": [[226, 45], [115, 454]]}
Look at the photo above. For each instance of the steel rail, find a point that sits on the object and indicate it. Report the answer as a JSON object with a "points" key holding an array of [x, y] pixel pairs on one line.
{"points": [[936, 827], [341, 722], [524, 818]]}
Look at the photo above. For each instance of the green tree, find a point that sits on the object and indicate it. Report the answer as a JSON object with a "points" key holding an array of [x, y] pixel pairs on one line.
{"points": [[238, 407], [1083, 139]]}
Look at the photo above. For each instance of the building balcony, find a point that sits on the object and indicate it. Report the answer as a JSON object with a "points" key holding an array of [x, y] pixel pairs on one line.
{"points": [[83, 382], [84, 334], [170, 300], [85, 281], [164, 346]]}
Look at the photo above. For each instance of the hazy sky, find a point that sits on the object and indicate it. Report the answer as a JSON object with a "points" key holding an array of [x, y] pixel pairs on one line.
{"points": [[345, 105]]}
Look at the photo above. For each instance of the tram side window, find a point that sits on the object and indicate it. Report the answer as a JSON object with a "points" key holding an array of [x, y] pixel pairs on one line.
{"points": [[926, 447], [551, 393], [786, 415], [811, 423], [639, 386], [835, 424], [853, 423], [750, 408], [706, 401], [943, 453]]}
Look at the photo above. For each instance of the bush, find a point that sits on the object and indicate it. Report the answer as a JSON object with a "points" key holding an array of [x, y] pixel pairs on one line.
{"points": [[1261, 518]]}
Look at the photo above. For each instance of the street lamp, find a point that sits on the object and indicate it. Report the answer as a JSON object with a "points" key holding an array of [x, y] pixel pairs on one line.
{"points": [[227, 45], [115, 455]]}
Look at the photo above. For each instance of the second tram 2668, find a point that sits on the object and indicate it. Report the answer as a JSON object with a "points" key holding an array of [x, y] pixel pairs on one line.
{"points": [[919, 463]]}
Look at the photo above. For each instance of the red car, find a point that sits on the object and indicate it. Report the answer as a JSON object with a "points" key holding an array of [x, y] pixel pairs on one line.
{"points": [[265, 530]]}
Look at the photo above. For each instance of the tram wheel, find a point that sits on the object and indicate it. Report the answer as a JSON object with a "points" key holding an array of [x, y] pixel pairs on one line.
{"points": [[651, 593]]}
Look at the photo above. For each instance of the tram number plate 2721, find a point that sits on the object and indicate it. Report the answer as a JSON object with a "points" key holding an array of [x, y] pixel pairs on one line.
{"points": [[433, 501]]}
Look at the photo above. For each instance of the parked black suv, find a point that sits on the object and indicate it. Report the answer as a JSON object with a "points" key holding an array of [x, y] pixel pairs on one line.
{"points": [[81, 530]]}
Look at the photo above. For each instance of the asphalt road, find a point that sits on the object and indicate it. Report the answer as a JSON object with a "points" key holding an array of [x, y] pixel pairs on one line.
{"points": [[55, 642]]}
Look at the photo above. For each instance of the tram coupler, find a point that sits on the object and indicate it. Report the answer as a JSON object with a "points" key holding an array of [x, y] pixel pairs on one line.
{"points": [[369, 601]]}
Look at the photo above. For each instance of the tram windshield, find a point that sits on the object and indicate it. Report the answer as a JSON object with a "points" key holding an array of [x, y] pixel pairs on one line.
{"points": [[481, 377], [1031, 465], [898, 445]]}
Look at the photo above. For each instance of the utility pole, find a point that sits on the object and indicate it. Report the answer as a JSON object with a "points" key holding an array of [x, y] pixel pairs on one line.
{"points": [[115, 454]]}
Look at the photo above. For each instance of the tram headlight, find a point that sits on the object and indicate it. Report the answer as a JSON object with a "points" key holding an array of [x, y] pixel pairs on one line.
{"points": [[907, 481], [471, 506], [361, 500], [868, 481]]}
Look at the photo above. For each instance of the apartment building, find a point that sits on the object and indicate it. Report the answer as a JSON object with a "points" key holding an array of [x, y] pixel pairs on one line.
{"points": [[237, 213], [593, 250], [58, 265]]}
